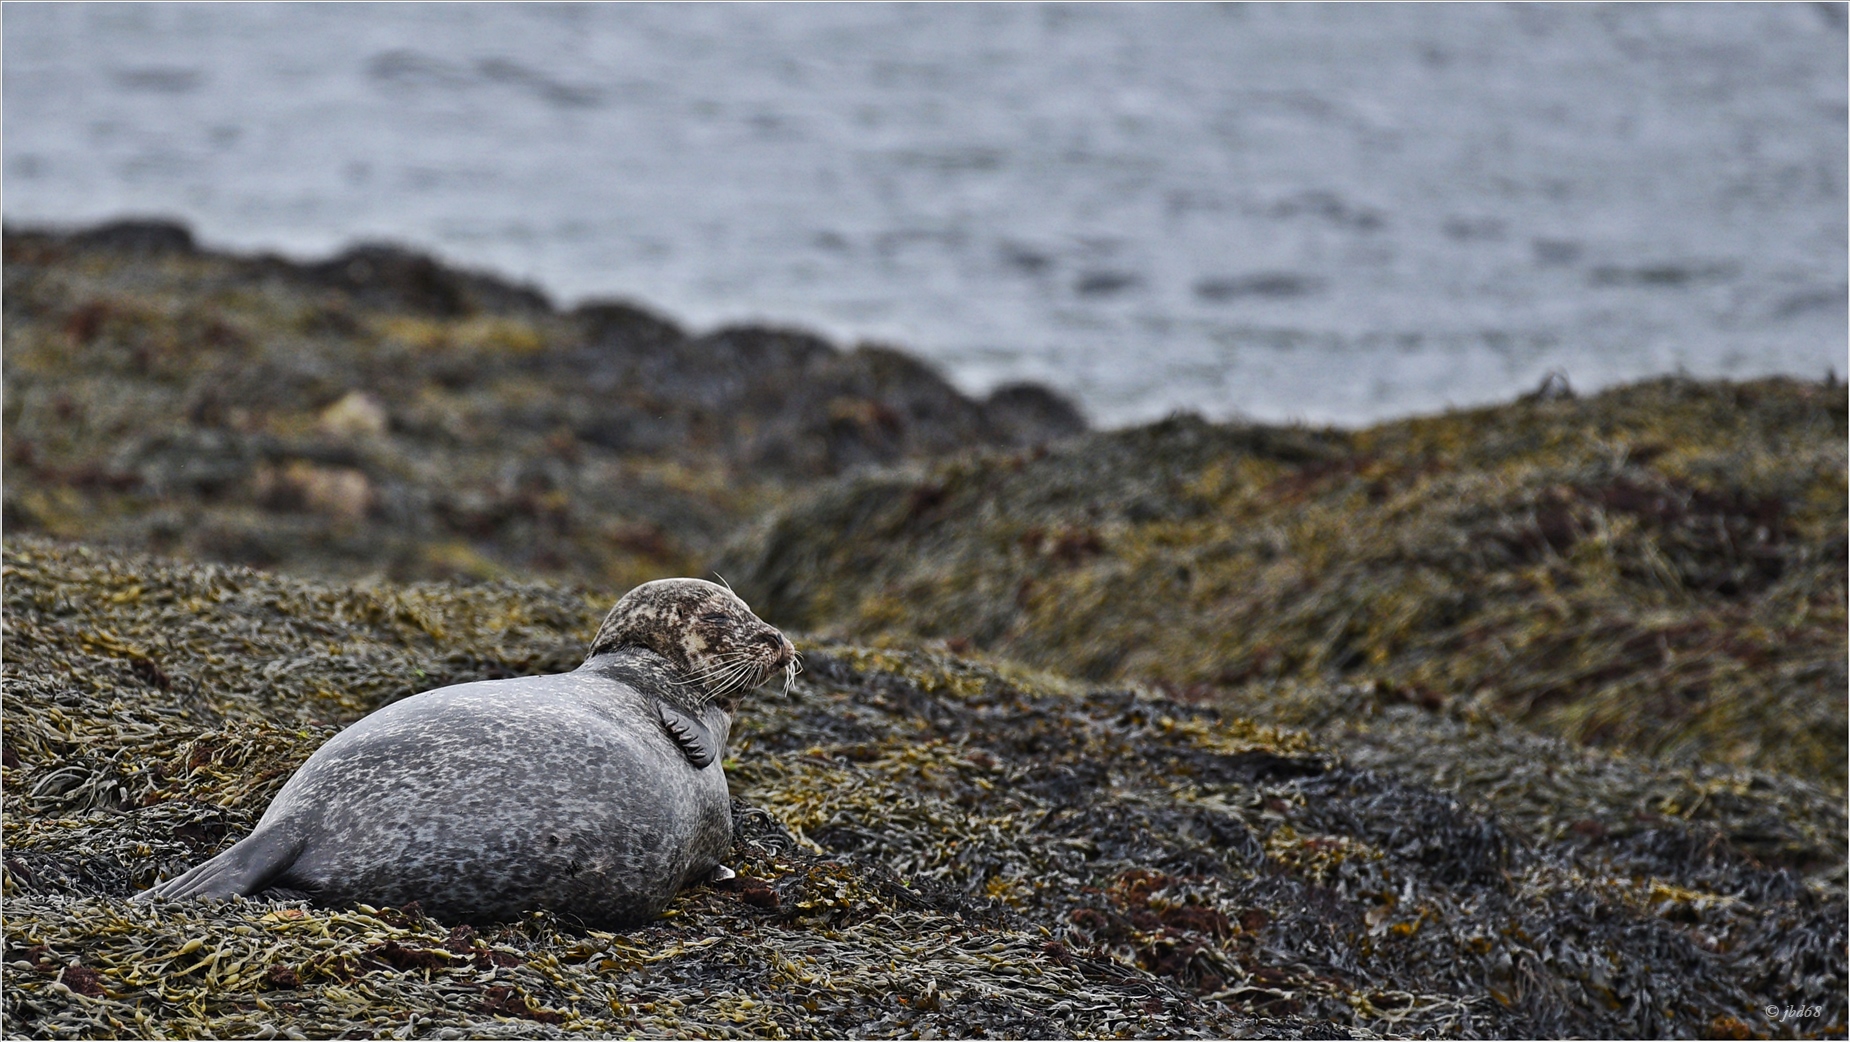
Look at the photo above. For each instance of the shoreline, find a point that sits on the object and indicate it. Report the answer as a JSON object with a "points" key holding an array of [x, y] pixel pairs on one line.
{"points": [[1518, 721]]}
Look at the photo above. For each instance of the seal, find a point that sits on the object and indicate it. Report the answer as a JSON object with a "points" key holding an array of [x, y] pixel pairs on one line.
{"points": [[596, 794]]}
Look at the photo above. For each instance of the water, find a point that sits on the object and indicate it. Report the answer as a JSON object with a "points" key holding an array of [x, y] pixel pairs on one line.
{"points": [[1333, 214]]}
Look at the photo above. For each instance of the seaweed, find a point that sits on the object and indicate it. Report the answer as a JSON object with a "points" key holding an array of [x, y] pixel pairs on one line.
{"points": [[379, 413], [927, 845], [1659, 568]]}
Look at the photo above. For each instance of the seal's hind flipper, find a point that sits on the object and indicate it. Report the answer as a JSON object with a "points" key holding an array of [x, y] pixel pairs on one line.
{"points": [[691, 735], [247, 868]]}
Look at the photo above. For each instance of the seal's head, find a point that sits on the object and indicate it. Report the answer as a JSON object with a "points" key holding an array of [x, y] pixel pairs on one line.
{"points": [[712, 641]]}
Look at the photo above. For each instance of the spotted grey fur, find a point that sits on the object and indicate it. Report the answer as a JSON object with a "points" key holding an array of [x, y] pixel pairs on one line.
{"points": [[596, 793]]}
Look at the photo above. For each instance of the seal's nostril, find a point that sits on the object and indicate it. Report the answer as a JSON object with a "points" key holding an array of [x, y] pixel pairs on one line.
{"points": [[773, 638]]}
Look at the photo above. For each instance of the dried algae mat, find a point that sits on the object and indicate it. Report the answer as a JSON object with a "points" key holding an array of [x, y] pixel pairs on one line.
{"points": [[928, 847]]}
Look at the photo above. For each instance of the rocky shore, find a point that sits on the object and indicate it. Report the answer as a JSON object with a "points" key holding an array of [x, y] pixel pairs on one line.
{"points": [[1519, 722], [381, 414]]}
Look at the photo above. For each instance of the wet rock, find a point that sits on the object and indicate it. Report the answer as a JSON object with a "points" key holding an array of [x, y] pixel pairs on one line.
{"points": [[137, 237], [391, 277]]}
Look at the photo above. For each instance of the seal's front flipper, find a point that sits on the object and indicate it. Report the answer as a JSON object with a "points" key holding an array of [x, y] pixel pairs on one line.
{"points": [[247, 868], [691, 735]]}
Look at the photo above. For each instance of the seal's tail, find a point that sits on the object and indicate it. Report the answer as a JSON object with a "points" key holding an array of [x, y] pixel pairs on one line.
{"points": [[247, 868]]}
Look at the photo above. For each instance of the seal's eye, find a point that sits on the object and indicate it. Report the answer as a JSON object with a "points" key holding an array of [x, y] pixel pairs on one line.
{"points": [[717, 618]]}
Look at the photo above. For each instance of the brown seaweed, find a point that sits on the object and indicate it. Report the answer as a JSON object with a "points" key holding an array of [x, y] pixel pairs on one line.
{"points": [[380, 413], [1659, 568], [928, 847]]}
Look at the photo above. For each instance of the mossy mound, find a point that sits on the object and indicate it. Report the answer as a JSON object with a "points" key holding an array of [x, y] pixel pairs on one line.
{"points": [[381, 414], [1659, 568], [928, 847]]}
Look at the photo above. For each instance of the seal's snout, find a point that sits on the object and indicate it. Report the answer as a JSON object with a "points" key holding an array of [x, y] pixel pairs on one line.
{"points": [[781, 649]]}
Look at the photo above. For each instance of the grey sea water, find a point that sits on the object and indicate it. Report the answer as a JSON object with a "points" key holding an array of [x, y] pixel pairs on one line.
{"points": [[1328, 213]]}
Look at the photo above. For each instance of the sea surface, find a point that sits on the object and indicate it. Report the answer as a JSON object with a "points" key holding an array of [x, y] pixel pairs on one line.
{"points": [[1330, 214]]}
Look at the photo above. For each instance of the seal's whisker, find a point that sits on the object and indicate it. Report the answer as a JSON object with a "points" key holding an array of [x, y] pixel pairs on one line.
{"points": [[727, 681], [757, 674], [725, 663], [708, 691], [723, 684], [727, 657]]}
